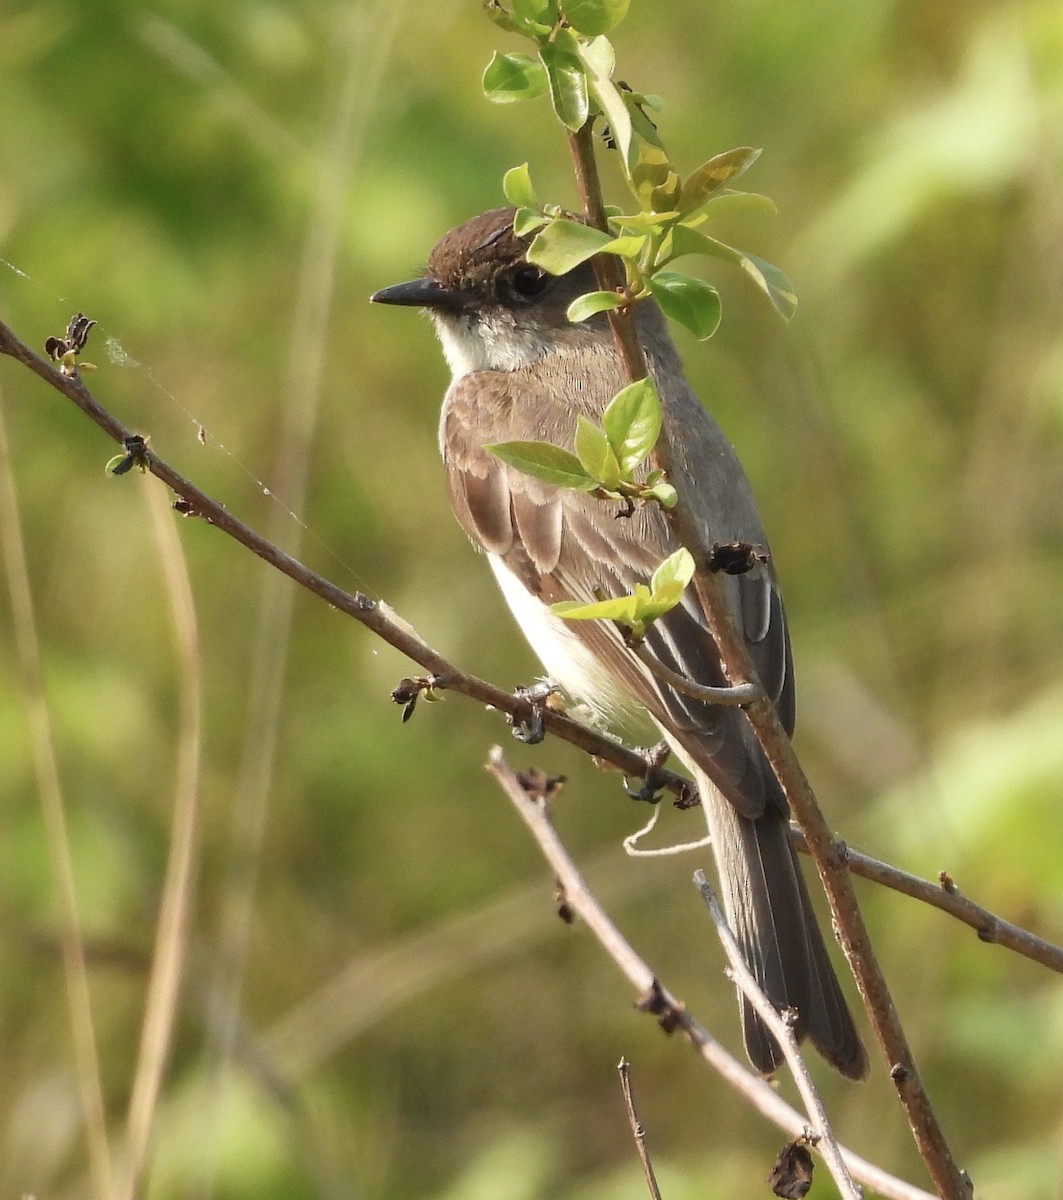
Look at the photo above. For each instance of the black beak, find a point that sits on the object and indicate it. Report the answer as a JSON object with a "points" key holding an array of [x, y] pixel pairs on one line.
{"points": [[418, 293]]}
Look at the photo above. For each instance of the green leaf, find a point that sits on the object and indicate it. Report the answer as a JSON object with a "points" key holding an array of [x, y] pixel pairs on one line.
{"points": [[517, 187], [623, 609], [644, 604], [767, 277], [526, 221], [666, 586], [661, 602], [628, 246], [563, 245], [665, 195], [567, 79], [600, 61], [591, 303], [549, 463], [729, 201], [511, 77], [677, 568], [595, 454], [643, 126], [532, 18], [664, 494], [692, 302], [712, 175], [500, 16], [644, 222], [632, 423], [542, 13], [592, 17], [651, 169]]}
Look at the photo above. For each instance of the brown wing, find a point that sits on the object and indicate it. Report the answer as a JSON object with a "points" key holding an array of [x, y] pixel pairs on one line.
{"points": [[564, 545]]}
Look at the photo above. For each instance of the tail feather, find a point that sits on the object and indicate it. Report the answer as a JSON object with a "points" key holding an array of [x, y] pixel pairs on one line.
{"points": [[768, 907]]}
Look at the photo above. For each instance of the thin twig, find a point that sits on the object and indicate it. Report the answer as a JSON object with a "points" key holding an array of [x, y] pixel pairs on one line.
{"points": [[638, 1131], [391, 628], [607, 269], [764, 720], [375, 615], [945, 896], [53, 810], [380, 619], [825, 1141], [653, 997], [386, 624]]}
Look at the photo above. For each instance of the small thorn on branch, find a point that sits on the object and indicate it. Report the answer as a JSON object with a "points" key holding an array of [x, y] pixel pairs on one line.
{"points": [[539, 785], [564, 910], [185, 508], [670, 1014], [407, 691]]}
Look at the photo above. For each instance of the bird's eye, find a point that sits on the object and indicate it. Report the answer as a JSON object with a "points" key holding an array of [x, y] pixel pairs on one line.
{"points": [[527, 282]]}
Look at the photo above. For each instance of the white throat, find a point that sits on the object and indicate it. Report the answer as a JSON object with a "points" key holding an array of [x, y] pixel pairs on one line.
{"points": [[480, 344]]}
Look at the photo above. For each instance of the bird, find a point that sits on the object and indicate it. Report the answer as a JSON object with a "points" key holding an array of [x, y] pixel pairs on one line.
{"points": [[522, 371]]}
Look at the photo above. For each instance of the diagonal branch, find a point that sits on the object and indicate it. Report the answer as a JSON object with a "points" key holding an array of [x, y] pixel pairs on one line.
{"points": [[823, 1136], [654, 998], [948, 898], [380, 619], [375, 615], [775, 743]]}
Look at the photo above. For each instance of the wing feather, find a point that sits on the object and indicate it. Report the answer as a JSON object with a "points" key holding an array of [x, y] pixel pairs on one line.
{"points": [[566, 545]]}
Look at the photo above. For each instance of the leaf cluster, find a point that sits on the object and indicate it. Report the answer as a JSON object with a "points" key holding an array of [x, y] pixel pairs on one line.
{"points": [[606, 463], [575, 65], [608, 457], [637, 610]]}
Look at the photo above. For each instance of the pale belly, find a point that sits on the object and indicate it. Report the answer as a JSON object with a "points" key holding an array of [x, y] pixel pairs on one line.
{"points": [[570, 664]]}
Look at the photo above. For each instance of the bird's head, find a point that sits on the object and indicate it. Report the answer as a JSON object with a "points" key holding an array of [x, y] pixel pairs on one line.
{"points": [[492, 309]]}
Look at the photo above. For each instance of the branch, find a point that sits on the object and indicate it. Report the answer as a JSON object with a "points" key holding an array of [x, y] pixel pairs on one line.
{"points": [[376, 616], [822, 1133], [944, 895], [638, 1132], [388, 625], [654, 998], [607, 268], [778, 751], [381, 620]]}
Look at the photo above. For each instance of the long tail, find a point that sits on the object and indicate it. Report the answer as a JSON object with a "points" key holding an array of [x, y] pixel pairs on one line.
{"points": [[768, 907]]}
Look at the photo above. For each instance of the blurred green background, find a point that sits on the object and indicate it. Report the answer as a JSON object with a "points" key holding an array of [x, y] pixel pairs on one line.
{"points": [[379, 1000]]}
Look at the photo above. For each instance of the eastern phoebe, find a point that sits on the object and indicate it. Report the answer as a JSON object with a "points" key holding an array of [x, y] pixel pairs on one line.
{"points": [[523, 372]]}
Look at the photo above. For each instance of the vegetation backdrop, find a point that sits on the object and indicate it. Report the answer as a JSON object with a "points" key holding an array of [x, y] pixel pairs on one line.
{"points": [[379, 999]]}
